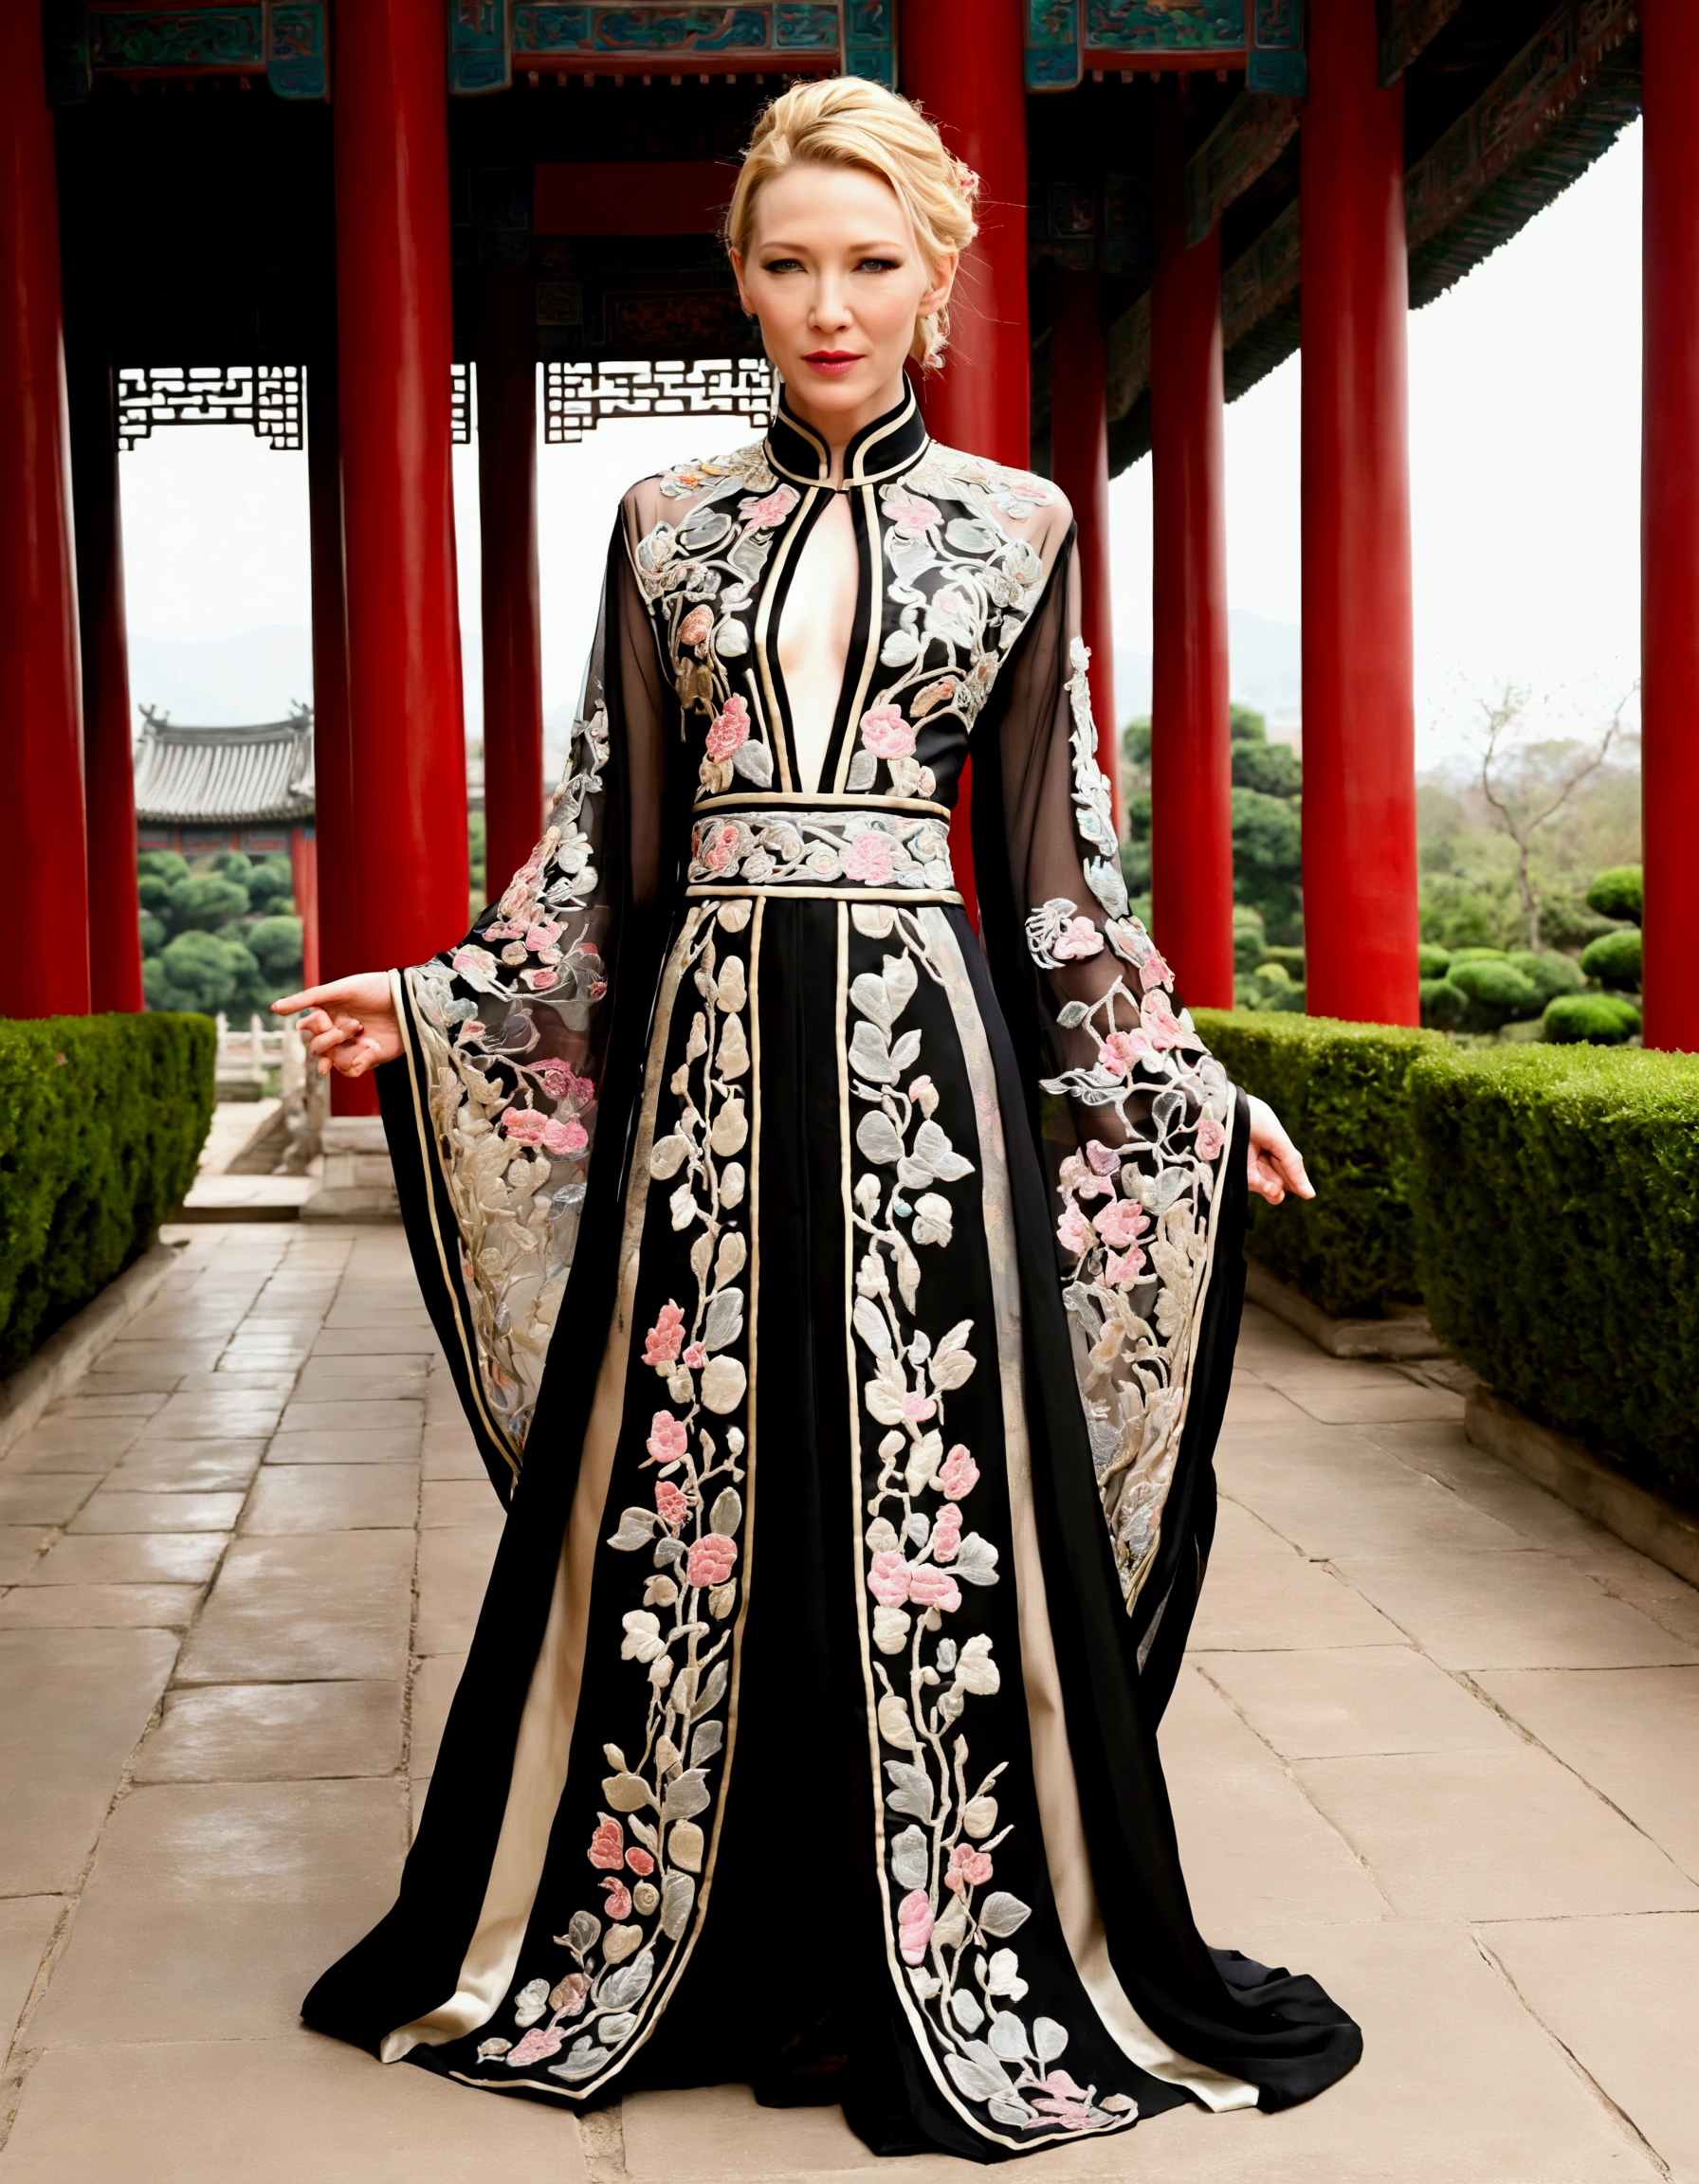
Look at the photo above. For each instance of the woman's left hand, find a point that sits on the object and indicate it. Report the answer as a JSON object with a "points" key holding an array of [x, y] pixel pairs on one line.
{"points": [[1274, 1164]]}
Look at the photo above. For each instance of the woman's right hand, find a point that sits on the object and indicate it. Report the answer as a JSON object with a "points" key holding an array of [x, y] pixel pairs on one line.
{"points": [[349, 1026]]}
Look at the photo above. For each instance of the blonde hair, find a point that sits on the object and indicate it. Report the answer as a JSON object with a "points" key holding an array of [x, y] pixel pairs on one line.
{"points": [[846, 121]]}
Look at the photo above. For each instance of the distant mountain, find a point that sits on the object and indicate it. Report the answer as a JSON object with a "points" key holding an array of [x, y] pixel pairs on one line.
{"points": [[1264, 668]]}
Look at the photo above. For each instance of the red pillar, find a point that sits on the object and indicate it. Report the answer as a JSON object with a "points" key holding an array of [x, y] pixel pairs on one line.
{"points": [[1359, 880], [974, 87], [304, 885], [513, 784], [1670, 521], [395, 350], [40, 707], [336, 842], [115, 915], [1191, 778], [1080, 464]]}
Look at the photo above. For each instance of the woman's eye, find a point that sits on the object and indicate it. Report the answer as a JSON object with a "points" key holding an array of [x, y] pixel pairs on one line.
{"points": [[877, 265], [781, 265]]}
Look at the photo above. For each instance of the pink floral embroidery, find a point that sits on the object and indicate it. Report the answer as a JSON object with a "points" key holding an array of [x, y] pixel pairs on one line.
{"points": [[696, 1356], [620, 1896], [1075, 1175], [666, 1438], [1070, 2105], [555, 1079], [942, 692], [473, 962], [1124, 1267], [568, 1138], [1121, 1223], [539, 980], [968, 1868], [639, 1861], [718, 847], [541, 2040], [946, 1534], [661, 1344], [524, 1125], [1078, 938], [868, 858], [608, 1845], [1104, 1158], [1211, 1138], [958, 1474], [695, 626], [914, 1926], [915, 1405], [1121, 1049], [888, 1579], [885, 733], [930, 1587], [1154, 971], [711, 1559], [1161, 1026], [503, 929], [542, 935], [1073, 1231], [772, 508], [913, 516], [670, 1504], [730, 731]]}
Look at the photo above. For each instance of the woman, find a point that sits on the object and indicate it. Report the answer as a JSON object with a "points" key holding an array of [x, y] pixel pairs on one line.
{"points": [[808, 1736]]}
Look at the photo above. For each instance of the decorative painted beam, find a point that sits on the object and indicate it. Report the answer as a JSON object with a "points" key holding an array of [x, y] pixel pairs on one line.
{"points": [[480, 47], [659, 37], [1243, 144], [283, 41], [1406, 28]]}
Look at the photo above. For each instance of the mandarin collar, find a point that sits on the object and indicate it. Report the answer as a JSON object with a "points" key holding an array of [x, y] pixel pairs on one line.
{"points": [[892, 444]]}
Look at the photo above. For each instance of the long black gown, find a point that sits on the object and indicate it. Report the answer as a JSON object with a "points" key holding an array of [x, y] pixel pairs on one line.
{"points": [[843, 1304]]}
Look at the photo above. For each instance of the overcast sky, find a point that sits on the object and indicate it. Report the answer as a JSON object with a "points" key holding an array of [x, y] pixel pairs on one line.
{"points": [[1524, 455]]}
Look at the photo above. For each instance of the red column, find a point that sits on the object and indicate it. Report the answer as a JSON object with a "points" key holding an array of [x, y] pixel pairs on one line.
{"points": [[41, 709], [1191, 779], [1670, 521], [303, 884], [115, 927], [973, 86], [335, 839], [513, 784], [1080, 464], [394, 350], [1359, 880]]}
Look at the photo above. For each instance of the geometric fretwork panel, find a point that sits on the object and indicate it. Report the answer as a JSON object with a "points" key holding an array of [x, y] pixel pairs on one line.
{"points": [[268, 397], [579, 397], [461, 400]]}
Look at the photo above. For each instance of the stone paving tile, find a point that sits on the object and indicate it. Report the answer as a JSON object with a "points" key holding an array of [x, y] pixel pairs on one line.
{"points": [[117, 1507], [1631, 1733], [1252, 1402], [110, 1403], [362, 1382], [446, 1503], [450, 1452], [1347, 1406], [1261, 1593], [19, 1546], [299, 2110], [453, 1571], [1231, 1793], [72, 1439], [407, 1341], [214, 1906], [397, 1446], [1341, 1501], [130, 1558], [187, 1467], [98, 1606], [274, 1732], [1486, 1835], [209, 1416], [26, 1924], [1351, 1699], [73, 1703], [1641, 2044], [353, 1415], [302, 1610], [1521, 1611], [332, 1497]]}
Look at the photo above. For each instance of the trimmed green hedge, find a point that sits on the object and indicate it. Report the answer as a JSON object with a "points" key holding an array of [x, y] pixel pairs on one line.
{"points": [[1557, 1200], [102, 1122], [1339, 1089]]}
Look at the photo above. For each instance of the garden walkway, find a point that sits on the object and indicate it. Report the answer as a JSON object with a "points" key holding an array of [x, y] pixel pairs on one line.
{"points": [[1438, 1742]]}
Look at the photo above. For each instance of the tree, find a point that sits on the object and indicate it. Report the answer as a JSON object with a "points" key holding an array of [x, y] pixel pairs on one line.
{"points": [[1525, 784]]}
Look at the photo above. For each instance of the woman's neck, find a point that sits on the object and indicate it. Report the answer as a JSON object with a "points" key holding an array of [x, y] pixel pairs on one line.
{"points": [[837, 427]]}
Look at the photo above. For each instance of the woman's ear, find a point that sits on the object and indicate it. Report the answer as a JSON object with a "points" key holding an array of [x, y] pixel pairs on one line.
{"points": [[743, 303], [943, 281]]}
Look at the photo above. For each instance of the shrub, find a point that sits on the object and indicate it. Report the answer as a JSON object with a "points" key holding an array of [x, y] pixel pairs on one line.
{"points": [[1614, 959], [161, 865], [1444, 1006], [1339, 1089], [152, 933], [276, 944], [1433, 961], [1620, 892], [1479, 955], [1250, 937], [1289, 960], [1496, 989], [1271, 768], [1584, 1019], [1548, 973], [205, 901], [1556, 1195], [101, 1121]]}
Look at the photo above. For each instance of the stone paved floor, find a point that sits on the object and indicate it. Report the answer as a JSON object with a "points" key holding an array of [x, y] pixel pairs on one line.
{"points": [[1437, 1743]]}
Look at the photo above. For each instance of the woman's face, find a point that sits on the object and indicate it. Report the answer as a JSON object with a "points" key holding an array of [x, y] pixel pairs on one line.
{"points": [[837, 277]]}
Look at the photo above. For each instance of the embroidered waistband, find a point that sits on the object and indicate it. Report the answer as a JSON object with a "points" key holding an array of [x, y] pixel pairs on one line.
{"points": [[831, 849]]}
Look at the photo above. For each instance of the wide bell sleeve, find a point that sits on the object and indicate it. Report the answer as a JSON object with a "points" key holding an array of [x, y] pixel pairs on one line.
{"points": [[497, 1113], [1141, 1133]]}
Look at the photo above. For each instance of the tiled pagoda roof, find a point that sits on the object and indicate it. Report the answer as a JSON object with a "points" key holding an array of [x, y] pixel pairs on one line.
{"points": [[224, 776]]}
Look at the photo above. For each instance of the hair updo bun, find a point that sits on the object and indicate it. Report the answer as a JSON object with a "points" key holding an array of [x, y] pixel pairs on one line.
{"points": [[846, 121]]}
